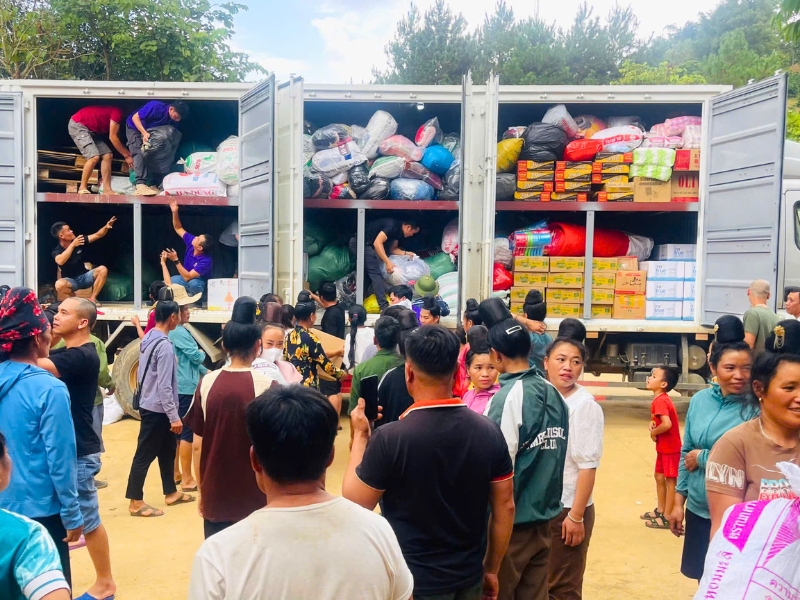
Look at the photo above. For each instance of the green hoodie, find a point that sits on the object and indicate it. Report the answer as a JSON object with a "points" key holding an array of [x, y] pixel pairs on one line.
{"points": [[535, 421], [710, 415]]}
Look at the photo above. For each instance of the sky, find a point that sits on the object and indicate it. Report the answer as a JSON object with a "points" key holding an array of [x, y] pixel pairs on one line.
{"points": [[340, 41]]}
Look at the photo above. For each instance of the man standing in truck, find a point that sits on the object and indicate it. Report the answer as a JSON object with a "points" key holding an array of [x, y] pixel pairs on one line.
{"points": [[89, 129], [68, 255], [152, 114], [197, 263]]}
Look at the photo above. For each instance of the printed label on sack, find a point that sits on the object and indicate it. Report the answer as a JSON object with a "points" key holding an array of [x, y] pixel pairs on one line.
{"points": [[741, 522]]}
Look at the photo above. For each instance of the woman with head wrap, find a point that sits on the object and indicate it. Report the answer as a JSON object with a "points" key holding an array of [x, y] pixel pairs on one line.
{"points": [[217, 417]]}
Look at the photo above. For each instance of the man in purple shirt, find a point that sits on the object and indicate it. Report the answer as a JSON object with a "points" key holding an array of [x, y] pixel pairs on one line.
{"points": [[152, 114], [196, 267]]}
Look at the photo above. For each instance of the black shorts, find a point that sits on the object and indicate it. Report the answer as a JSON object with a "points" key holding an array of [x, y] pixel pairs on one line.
{"points": [[695, 545], [329, 388]]}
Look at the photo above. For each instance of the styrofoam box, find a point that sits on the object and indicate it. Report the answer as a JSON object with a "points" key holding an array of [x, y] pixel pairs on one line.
{"points": [[690, 271], [675, 252], [663, 270], [222, 293], [688, 310], [664, 290], [689, 290], [664, 310]]}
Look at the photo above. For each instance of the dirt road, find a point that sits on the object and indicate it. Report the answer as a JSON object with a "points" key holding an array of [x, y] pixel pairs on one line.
{"points": [[152, 558]]}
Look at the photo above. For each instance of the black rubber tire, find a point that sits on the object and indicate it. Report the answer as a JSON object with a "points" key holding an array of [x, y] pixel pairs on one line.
{"points": [[124, 374]]}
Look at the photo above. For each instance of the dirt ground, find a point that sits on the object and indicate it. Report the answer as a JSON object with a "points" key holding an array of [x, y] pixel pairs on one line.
{"points": [[152, 558]]}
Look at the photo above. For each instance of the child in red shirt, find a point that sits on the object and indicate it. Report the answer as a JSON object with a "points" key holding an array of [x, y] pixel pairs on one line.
{"points": [[665, 432]]}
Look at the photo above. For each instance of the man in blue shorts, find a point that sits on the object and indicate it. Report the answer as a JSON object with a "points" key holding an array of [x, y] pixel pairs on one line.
{"points": [[69, 257]]}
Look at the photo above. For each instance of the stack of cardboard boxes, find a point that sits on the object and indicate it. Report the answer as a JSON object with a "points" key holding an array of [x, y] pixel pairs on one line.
{"points": [[671, 283], [611, 177], [530, 273], [553, 181], [683, 187], [629, 289]]}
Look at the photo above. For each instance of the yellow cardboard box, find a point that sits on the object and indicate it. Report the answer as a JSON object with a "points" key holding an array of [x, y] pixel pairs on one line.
{"points": [[604, 264], [518, 294], [629, 306], [517, 308], [562, 311], [530, 280], [601, 312], [602, 297], [603, 280], [567, 264], [651, 190], [565, 280], [564, 296], [634, 282], [628, 263], [532, 264]]}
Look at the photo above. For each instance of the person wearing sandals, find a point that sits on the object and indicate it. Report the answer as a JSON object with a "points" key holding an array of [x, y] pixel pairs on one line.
{"points": [[712, 412], [158, 408]]}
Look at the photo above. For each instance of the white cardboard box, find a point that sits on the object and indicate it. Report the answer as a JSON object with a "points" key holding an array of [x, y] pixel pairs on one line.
{"points": [[664, 310], [688, 310], [675, 252], [690, 270], [664, 290], [689, 290], [663, 270], [222, 293]]}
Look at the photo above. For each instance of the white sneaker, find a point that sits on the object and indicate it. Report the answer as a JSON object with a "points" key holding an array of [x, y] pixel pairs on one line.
{"points": [[145, 190]]}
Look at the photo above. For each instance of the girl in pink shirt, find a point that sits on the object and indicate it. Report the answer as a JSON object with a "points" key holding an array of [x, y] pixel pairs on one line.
{"points": [[483, 376]]}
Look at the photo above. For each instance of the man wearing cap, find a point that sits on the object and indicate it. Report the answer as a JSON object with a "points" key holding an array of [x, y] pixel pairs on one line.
{"points": [[382, 238], [197, 263], [427, 286], [760, 319], [190, 370]]}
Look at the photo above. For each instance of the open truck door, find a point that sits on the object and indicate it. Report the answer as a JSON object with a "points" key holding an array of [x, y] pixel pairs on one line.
{"points": [[743, 180], [11, 202], [256, 189]]}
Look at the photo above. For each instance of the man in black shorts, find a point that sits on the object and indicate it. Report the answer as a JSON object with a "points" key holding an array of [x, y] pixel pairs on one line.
{"points": [[68, 255], [382, 238]]}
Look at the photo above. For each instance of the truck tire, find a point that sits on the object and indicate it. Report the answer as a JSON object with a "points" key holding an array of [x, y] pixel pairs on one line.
{"points": [[125, 369]]}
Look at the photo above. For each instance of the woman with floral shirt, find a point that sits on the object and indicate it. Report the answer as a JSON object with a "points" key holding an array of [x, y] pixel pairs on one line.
{"points": [[302, 347]]}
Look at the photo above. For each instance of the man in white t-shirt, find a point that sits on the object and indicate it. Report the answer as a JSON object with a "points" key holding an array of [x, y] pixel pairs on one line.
{"points": [[306, 543]]}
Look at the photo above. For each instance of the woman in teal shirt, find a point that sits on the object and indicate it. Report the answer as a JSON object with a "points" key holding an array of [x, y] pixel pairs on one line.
{"points": [[712, 412]]}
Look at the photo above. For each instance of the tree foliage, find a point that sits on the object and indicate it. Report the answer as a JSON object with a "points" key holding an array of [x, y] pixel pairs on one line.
{"points": [[30, 42], [632, 73]]}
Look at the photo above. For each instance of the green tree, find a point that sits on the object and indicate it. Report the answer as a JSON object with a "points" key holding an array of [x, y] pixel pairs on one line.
{"points": [[736, 63], [30, 41], [632, 73], [793, 125], [787, 19]]}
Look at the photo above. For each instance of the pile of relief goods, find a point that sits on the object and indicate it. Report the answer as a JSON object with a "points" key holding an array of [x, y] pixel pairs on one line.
{"points": [[207, 173]]}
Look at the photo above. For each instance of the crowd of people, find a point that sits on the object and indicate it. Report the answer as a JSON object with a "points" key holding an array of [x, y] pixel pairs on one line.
{"points": [[482, 456]]}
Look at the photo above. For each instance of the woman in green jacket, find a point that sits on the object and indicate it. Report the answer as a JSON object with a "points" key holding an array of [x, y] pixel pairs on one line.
{"points": [[712, 412]]}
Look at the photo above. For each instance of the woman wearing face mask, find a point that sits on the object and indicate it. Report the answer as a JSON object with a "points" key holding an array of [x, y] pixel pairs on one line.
{"points": [[712, 412], [572, 529], [272, 341], [754, 448]]}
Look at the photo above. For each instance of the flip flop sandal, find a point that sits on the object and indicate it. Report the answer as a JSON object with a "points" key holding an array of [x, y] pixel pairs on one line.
{"points": [[654, 524], [84, 192], [189, 489], [154, 512], [88, 596], [184, 499], [651, 516]]}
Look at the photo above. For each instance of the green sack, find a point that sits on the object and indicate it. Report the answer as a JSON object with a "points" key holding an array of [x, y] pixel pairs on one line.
{"points": [[316, 237], [117, 288], [440, 264], [333, 263]]}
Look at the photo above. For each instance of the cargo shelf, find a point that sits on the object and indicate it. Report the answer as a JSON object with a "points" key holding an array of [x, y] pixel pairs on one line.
{"points": [[155, 200], [519, 205], [382, 204]]}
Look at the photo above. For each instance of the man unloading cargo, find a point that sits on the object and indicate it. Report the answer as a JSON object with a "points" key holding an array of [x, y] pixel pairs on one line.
{"points": [[68, 255], [382, 238], [153, 114], [197, 263], [89, 128]]}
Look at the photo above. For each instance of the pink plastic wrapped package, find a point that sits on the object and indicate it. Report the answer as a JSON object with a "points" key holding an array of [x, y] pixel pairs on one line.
{"points": [[620, 139], [677, 125], [659, 129], [659, 141], [415, 170], [398, 145], [429, 133], [692, 135]]}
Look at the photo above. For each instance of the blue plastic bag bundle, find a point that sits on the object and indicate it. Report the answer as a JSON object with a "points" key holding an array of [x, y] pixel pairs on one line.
{"points": [[410, 189], [437, 159]]}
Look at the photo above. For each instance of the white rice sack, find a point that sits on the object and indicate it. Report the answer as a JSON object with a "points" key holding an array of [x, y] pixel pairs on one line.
{"points": [[228, 161], [200, 162], [186, 184], [112, 411], [339, 159]]}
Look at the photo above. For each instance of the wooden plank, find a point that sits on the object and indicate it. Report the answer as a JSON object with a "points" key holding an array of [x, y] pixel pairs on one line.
{"points": [[74, 169], [44, 175]]}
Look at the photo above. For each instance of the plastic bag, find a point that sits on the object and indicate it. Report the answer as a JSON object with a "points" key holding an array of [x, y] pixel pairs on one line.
{"points": [[346, 290], [410, 189], [381, 126], [406, 270], [338, 160], [371, 305], [378, 189], [117, 288], [506, 185], [659, 157], [228, 161], [358, 178], [316, 237], [501, 278], [159, 152], [543, 142], [620, 139], [624, 121], [692, 135], [398, 145], [502, 252], [514, 132], [342, 192], [677, 125], [755, 553], [331, 136], [315, 184], [450, 239], [334, 262], [440, 264], [417, 171], [186, 184], [437, 159], [588, 125], [339, 178], [579, 150], [387, 167], [453, 143], [652, 140], [429, 133], [200, 162], [112, 411], [308, 149], [451, 184], [652, 171], [508, 154], [559, 116]]}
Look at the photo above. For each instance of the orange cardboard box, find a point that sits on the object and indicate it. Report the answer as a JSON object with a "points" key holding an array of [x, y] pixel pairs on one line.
{"points": [[631, 282], [628, 263], [687, 160], [685, 187]]}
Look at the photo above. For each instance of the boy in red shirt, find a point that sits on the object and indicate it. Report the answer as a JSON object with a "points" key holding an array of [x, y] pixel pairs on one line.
{"points": [[665, 432]]}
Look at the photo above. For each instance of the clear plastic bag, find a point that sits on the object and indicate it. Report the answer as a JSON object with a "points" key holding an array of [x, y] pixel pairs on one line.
{"points": [[338, 160], [331, 136], [387, 167], [308, 149], [652, 171], [677, 125], [429, 133], [381, 126], [346, 290], [692, 135], [652, 140], [410, 189], [453, 143], [406, 270], [659, 157], [358, 178], [451, 184], [418, 171], [398, 145], [502, 252], [437, 159], [623, 121], [450, 239], [559, 116], [514, 132]]}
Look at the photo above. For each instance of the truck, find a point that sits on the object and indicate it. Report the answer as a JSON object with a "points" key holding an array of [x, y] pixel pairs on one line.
{"points": [[741, 169]]}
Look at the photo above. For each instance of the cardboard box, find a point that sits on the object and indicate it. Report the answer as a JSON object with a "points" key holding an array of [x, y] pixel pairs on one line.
{"points": [[536, 175], [687, 313], [563, 165], [664, 310], [602, 312], [564, 296], [518, 294], [675, 252], [567, 264], [689, 290], [602, 297], [629, 306], [580, 170], [619, 188], [605, 264], [664, 270], [628, 263], [615, 157], [532, 165], [573, 186], [690, 270], [565, 280], [535, 186], [603, 280], [517, 308], [531, 264], [563, 311], [611, 168], [222, 293], [532, 196], [651, 190], [603, 179], [632, 282], [687, 160], [530, 280], [603, 196], [331, 345], [685, 187], [569, 197], [664, 290]]}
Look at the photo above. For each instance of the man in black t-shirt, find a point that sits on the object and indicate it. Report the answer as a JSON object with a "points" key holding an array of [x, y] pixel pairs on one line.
{"points": [[78, 366], [68, 255], [333, 323], [382, 238], [437, 470]]}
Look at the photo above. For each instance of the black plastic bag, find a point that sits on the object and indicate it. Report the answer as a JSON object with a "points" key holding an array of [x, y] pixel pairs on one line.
{"points": [[378, 189], [358, 178], [506, 185], [315, 184], [452, 183], [543, 142], [331, 136], [159, 152]]}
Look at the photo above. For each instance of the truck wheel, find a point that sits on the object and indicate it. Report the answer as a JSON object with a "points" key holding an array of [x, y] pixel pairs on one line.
{"points": [[125, 370]]}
